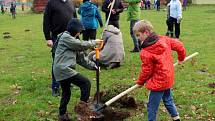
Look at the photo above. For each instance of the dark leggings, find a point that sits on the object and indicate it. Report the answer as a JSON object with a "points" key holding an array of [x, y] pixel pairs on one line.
{"points": [[89, 34], [173, 22], [82, 82]]}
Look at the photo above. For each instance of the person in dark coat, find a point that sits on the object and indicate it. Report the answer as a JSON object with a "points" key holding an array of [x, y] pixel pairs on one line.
{"points": [[115, 12], [2, 8], [13, 10], [56, 17], [158, 5]]}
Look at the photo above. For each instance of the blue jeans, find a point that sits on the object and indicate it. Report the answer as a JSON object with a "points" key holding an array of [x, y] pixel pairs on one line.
{"points": [[154, 102], [135, 41], [55, 84]]}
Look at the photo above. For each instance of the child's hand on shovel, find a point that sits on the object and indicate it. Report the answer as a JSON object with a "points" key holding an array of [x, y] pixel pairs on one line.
{"points": [[96, 67], [180, 62], [139, 86], [99, 43]]}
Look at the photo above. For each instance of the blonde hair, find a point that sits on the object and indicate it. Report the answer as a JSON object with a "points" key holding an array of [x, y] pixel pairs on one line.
{"points": [[142, 26]]}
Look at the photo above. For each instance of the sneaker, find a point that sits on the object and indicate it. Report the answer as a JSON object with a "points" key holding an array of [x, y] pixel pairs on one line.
{"points": [[171, 35], [176, 118], [64, 117], [167, 33], [56, 92]]}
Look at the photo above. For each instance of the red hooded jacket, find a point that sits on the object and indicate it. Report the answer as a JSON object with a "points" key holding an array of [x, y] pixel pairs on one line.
{"points": [[157, 63]]}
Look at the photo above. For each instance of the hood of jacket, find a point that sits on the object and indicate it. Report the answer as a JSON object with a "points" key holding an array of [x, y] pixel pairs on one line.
{"points": [[87, 6], [157, 48], [112, 29]]}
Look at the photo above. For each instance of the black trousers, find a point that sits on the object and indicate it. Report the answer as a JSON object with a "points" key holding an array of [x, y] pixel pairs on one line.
{"points": [[82, 82], [173, 22], [89, 34], [114, 23]]}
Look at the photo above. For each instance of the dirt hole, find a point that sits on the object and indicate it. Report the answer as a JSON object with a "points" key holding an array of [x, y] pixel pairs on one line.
{"points": [[7, 37], [117, 111]]}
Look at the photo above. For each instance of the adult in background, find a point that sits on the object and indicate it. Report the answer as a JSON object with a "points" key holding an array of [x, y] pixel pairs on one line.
{"points": [[148, 3], [90, 17], [184, 5], [2, 8], [158, 5], [115, 12], [133, 17], [13, 10], [175, 17], [167, 21], [23, 7], [56, 17]]}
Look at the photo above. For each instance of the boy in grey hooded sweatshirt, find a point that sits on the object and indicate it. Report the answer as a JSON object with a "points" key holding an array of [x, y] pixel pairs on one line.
{"points": [[68, 52]]}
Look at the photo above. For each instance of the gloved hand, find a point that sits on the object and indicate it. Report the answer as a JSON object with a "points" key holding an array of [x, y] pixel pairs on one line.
{"points": [[97, 68], [99, 43], [179, 20]]}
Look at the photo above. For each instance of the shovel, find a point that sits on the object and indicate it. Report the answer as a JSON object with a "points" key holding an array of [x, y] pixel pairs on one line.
{"points": [[97, 49], [133, 88]]}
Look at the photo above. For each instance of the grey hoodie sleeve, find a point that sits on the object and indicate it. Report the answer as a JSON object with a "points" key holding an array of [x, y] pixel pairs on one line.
{"points": [[78, 45], [85, 62]]}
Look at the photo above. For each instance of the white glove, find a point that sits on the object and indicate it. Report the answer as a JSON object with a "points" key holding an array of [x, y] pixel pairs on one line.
{"points": [[98, 68], [179, 20]]}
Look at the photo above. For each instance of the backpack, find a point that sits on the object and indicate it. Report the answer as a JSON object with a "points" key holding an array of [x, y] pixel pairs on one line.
{"points": [[53, 50]]}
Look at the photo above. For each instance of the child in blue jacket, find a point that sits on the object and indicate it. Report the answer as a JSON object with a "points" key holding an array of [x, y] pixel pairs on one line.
{"points": [[90, 17]]}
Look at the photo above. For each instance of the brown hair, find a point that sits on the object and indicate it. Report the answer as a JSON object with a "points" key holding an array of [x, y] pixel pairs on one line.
{"points": [[142, 26]]}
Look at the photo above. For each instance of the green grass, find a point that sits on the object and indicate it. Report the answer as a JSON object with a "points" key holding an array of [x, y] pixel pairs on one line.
{"points": [[26, 61]]}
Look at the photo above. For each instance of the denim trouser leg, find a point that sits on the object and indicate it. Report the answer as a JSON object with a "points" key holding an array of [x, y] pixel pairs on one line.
{"points": [[153, 104], [169, 104], [55, 84], [135, 41]]}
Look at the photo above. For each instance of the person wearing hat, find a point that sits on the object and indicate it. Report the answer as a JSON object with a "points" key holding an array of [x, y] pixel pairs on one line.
{"points": [[56, 17], [68, 51]]}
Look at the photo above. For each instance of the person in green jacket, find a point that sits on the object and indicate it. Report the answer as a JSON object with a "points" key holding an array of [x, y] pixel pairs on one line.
{"points": [[68, 52], [133, 17]]}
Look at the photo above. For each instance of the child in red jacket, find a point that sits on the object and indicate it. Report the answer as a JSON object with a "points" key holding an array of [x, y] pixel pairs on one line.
{"points": [[157, 67]]}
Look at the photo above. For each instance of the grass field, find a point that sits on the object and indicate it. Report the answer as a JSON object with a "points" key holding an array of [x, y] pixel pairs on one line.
{"points": [[25, 62]]}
